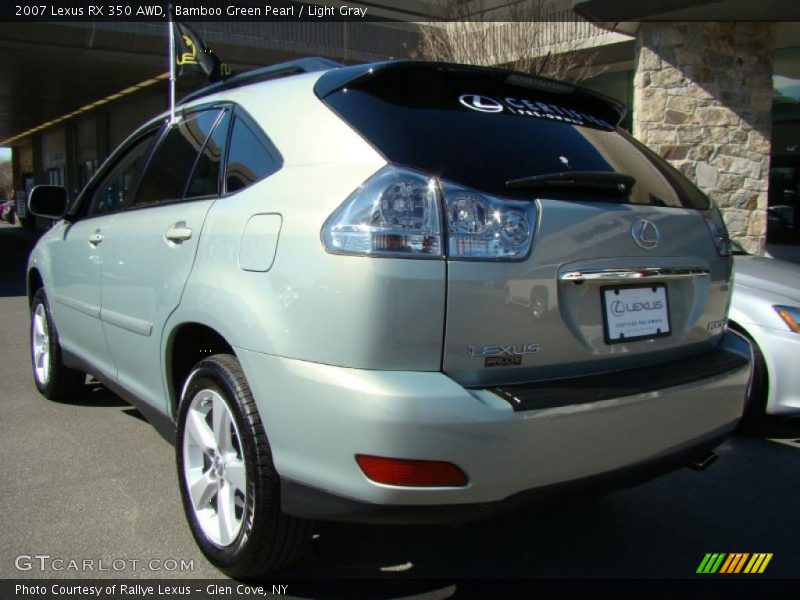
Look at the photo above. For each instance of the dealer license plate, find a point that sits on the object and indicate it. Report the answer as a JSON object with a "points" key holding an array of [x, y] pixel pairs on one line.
{"points": [[635, 313]]}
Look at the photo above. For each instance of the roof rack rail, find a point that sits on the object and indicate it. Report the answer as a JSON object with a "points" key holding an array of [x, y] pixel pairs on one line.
{"points": [[284, 69]]}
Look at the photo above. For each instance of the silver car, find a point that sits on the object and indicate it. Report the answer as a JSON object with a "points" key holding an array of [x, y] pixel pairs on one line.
{"points": [[766, 309], [307, 282]]}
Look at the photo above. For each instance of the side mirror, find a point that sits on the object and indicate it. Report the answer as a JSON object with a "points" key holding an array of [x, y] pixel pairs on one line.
{"points": [[48, 201]]}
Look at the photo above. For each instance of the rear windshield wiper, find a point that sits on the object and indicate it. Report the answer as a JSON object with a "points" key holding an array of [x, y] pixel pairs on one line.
{"points": [[601, 181]]}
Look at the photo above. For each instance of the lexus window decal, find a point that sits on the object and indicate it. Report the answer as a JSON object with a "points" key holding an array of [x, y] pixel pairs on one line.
{"points": [[530, 108]]}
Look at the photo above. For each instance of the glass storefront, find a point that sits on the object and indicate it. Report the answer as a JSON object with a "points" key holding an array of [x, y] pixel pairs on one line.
{"points": [[783, 217]]}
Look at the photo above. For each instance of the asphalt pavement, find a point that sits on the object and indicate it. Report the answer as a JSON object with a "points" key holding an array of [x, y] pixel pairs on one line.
{"points": [[90, 480]]}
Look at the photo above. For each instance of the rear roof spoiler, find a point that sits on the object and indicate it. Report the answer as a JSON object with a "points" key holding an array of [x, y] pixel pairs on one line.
{"points": [[356, 75]]}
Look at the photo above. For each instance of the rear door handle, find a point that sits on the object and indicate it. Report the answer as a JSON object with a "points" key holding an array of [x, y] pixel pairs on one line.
{"points": [[178, 233], [96, 238]]}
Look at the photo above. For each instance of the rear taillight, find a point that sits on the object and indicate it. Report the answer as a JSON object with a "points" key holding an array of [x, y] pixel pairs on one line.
{"points": [[718, 231], [484, 227], [394, 213], [398, 212]]}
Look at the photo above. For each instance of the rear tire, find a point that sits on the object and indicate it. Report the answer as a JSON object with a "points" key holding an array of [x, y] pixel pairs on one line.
{"points": [[228, 483], [53, 379]]}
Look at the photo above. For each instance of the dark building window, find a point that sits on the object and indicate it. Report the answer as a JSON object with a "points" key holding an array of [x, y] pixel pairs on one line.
{"points": [[783, 213]]}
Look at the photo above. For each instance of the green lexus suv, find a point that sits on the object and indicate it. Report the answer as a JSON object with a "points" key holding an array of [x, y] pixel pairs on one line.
{"points": [[397, 292]]}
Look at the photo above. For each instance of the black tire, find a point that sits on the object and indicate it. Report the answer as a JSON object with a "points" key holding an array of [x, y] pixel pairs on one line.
{"points": [[61, 382], [756, 403], [268, 539]]}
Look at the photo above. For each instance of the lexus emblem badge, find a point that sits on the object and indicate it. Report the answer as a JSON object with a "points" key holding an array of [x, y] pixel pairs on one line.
{"points": [[645, 234], [481, 103]]}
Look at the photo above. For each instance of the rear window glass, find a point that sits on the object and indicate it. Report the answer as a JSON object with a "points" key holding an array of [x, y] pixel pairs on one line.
{"points": [[483, 128]]}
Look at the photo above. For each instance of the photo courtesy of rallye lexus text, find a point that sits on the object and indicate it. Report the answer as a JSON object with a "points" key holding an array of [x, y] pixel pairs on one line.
{"points": [[397, 293], [103, 591]]}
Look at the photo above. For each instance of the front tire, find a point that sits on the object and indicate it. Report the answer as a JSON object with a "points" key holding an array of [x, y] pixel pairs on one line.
{"points": [[758, 390], [53, 379], [228, 483]]}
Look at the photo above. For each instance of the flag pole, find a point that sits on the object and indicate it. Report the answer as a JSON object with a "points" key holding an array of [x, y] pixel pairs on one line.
{"points": [[171, 66]]}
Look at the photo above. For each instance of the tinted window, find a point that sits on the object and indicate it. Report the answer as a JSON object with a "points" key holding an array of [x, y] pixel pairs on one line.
{"points": [[168, 171], [251, 157], [482, 128], [114, 190], [205, 179]]}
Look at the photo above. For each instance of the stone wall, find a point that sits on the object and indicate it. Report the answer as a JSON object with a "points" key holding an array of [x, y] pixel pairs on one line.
{"points": [[702, 100]]}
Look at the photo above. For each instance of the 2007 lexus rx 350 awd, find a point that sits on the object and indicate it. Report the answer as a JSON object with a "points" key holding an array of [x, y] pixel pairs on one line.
{"points": [[392, 292]]}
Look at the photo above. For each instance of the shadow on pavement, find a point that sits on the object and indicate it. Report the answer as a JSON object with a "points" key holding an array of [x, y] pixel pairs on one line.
{"points": [[134, 412], [15, 246], [657, 530], [95, 394], [776, 428]]}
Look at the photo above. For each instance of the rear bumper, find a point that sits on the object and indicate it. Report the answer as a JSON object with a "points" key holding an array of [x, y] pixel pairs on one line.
{"points": [[311, 503], [318, 417]]}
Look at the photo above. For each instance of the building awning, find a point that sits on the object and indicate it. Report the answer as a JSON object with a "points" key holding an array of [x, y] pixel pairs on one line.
{"points": [[610, 12], [53, 70]]}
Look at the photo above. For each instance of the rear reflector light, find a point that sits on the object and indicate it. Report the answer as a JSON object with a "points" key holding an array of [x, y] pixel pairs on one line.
{"points": [[411, 473]]}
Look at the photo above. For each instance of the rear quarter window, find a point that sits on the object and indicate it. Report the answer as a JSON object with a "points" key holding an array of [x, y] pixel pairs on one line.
{"points": [[251, 156]]}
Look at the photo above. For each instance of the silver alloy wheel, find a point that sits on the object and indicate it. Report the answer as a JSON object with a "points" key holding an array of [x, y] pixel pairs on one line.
{"points": [[213, 467], [40, 340]]}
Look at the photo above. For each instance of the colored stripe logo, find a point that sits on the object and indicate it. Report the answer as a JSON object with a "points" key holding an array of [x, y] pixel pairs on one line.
{"points": [[735, 562]]}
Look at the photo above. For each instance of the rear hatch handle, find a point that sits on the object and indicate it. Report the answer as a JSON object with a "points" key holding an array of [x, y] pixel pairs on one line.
{"points": [[623, 275]]}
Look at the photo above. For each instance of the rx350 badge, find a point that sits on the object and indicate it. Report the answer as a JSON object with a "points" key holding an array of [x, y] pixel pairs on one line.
{"points": [[503, 355]]}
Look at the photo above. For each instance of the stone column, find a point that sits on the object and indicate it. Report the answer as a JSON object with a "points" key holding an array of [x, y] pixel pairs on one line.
{"points": [[703, 100]]}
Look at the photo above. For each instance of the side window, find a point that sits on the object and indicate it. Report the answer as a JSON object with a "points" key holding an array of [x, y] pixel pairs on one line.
{"points": [[168, 171], [113, 190], [251, 157], [205, 179]]}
